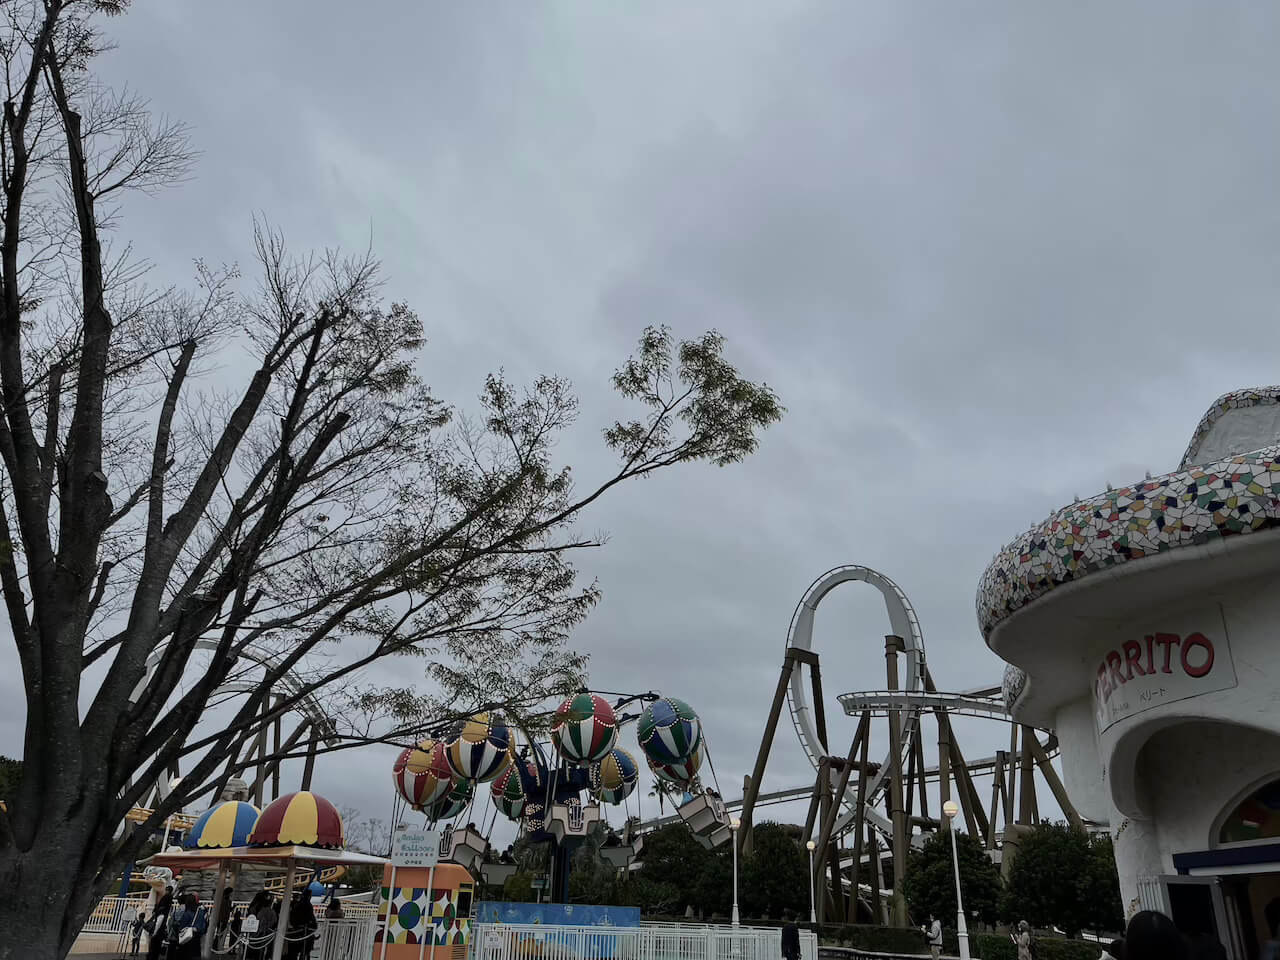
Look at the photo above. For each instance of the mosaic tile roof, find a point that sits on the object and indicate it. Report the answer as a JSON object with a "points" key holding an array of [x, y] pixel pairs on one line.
{"points": [[1011, 687], [1234, 496], [1252, 397]]}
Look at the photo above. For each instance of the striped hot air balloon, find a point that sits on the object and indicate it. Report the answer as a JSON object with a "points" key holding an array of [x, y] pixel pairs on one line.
{"points": [[614, 777], [301, 818], [585, 729], [669, 731], [513, 790], [226, 824], [422, 774], [681, 774], [452, 803], [479, 748]]}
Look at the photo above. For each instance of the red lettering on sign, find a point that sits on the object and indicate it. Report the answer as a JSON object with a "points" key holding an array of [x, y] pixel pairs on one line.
{"points": [[1197, 640], [1167, 640], [1118, 667], [1115, 667], [1133, 659]]}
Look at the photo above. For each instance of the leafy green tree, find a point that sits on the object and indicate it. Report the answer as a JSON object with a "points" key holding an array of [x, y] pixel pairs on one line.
{"points": [[674, 863], [518, 888], [1061, 877], [1106, 908], [775, 876], [930, 881]]}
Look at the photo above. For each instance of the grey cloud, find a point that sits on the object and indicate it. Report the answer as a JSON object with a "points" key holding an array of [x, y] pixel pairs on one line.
{"points": [[991, 255]]}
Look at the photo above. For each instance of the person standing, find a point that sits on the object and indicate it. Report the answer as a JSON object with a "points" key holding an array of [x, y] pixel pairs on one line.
{"points": [[158, 925], [259, 940], [790, 936], [224, 914], [1022, 940], [188, 930], [934, 933], [302, 926]]}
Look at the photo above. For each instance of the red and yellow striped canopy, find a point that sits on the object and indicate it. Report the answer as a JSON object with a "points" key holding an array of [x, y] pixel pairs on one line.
{"points": [[299, 818]]}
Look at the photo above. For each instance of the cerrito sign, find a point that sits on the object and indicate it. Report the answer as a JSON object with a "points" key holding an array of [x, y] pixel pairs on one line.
{"points": [[416, 848], [1160, 668]]}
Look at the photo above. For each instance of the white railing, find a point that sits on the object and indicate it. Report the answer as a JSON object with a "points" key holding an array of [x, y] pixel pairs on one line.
{"points": [[114, 914], [347, 939], [529, 941]]}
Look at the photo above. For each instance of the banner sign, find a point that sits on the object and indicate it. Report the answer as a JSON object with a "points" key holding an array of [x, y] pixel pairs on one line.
{"points": [[416, 848], [555, 914], [1162, 667]]}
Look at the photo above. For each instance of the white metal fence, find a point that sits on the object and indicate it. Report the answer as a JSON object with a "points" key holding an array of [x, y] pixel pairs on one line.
{"points": [[114, 914], [529, 941], [350, 938]]}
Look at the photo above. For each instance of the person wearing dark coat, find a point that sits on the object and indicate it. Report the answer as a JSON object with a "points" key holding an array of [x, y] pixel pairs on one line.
{"points": [[158, 924], [191, 916], [302, 927], [790, 937]]}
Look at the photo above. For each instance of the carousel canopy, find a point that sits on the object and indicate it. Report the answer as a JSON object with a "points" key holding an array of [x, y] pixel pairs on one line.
{"points": [[299, 818], [225, 824]]}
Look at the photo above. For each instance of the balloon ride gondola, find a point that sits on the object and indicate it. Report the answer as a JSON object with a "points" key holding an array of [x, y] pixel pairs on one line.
{"points": [[554, 790]]}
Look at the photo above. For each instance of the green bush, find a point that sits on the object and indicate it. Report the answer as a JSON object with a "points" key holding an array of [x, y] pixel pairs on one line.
{"points": [[998, 946], [874, 938], [1054, 949], [994, 946]]}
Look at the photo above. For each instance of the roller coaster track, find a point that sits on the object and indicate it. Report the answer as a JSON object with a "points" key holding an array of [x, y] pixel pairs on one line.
{"points": [[304, 877], [905, 624]]}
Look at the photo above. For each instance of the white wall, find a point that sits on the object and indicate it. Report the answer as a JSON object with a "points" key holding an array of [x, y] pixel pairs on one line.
{"points": [[1164, 776]]}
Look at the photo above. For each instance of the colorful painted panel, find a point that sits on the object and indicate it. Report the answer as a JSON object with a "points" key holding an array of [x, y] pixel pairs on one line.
{"points": [[408, 911], [1256, 818], [438, 917]]}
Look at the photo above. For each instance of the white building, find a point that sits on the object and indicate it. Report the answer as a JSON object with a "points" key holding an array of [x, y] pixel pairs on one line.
{"points": [[1143, 624]]}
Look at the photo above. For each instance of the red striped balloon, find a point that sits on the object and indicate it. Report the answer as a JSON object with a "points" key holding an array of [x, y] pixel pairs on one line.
{"points": [[422, 774]]}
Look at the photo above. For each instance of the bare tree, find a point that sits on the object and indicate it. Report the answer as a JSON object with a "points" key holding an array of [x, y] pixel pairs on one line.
{"points": [[216, 487]]}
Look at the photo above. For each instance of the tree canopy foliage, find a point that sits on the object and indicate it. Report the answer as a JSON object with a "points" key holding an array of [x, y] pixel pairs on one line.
{"points": [[1065, 878], [930, 880], [252, 484]]}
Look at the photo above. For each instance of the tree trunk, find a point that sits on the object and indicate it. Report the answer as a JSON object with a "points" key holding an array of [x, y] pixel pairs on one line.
{"points": [[37, 920]]}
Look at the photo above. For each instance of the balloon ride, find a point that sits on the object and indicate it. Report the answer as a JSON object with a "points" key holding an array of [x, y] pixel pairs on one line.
{"points": [[554, 789]]}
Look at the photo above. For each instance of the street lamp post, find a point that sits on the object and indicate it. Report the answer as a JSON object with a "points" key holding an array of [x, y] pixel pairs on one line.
{"points": [[734, 824], [950, 809], [813, 913]]}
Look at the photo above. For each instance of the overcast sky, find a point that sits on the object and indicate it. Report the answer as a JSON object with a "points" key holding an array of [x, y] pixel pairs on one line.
{"points": [[991, 256]]}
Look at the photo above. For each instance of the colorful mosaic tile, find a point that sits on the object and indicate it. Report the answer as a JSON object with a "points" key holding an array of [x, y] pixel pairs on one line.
{"points": [[1253, 397], [1015, 681], [1230, 497]]}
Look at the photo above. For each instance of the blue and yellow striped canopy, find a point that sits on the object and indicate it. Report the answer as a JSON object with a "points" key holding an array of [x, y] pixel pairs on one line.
{"points": [[226, 824]]}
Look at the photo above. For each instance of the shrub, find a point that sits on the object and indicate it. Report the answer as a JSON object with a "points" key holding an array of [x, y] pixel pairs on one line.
{"points": [[1055, 949], [998, 946], [874, 938]]}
